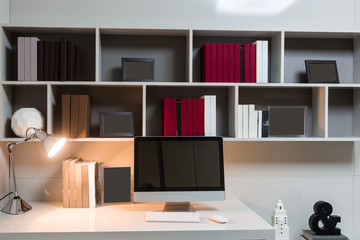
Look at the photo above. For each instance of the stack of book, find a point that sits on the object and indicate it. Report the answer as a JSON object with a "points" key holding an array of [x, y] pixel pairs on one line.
{"points": [[46, 60], [252, 123], [80, 184], [223, 62], [76, 115], [190, 116]]}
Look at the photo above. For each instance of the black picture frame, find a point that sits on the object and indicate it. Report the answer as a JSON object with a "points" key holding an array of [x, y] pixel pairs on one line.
{"points": [[138, 69], [322, 71], [287, 121], [108, 127]]}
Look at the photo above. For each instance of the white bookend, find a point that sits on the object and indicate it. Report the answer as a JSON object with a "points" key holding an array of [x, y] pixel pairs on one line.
{"points": [[213, 116], [239, 133], [27, 59], [259, 124], [21, 58], [78, 185], [92, 169], [259, 61], [265, 64], [246, 121], [207, 115], [33, 56], [252, 121]]}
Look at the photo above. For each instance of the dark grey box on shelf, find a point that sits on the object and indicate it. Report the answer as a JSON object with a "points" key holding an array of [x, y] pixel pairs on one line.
{"points": [[117, 184], [310, 235]]}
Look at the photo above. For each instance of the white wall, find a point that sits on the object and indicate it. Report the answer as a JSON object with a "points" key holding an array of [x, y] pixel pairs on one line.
{"points": [[258, 173]]}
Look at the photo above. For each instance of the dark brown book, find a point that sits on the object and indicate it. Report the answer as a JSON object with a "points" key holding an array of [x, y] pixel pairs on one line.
{"points": [[71, 61], [56, 61], [65, 115], [74, 116], [40, 60], [84, 116], [51, 60], [46, 61], [63, 60]]}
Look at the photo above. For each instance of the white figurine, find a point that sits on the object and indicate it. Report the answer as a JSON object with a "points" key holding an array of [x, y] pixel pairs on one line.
{"points": [[279, 222]]}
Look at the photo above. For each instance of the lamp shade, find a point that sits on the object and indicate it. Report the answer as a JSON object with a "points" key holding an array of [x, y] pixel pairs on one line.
{"points": [[52, 145]]}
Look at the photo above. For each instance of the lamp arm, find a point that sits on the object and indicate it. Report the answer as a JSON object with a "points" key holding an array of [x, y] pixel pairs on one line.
{"points": [[9, 147]]}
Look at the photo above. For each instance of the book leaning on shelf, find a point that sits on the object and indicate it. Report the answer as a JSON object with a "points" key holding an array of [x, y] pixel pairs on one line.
{"points": [[251, 123], [80, 184]]}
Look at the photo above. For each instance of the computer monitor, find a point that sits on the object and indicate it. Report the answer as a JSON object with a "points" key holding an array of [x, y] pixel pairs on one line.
{"points": [[178, 169]]}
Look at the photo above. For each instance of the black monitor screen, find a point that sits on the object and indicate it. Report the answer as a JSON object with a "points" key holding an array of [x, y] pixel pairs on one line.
{"points": [[178, 164]]}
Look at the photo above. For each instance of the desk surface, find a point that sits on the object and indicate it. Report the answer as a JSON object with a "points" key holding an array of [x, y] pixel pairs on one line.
{"points": [[128, 219]]}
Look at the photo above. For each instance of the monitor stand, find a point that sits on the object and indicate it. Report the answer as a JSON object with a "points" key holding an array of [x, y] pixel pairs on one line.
{"points": [[178, 207]]}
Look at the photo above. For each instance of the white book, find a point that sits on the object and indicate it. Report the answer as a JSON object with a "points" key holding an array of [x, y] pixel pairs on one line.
{"points": [[245, 121], [259, 61], [207, 115], [213, 116], [259, 124], [252, 121], [78, 185], [21, 58], [33, 56], [265, 62], [92, 170], [27, 59], [239, 133]]}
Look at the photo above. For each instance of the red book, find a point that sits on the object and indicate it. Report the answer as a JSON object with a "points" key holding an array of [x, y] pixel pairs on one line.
{"points": [[195, 108], [247, 62], [252, 63], [231, 63], [167, 110], [237, 62], [189, 117], [213, 62], [183, 116], [226, 62], [201, 117], [220, 62], [206, 62], [173, 116]]}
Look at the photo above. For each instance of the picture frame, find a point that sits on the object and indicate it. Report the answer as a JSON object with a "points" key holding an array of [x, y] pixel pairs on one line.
{"points": [[322, 71], [138, 69], [287, 121], [116, 124]]}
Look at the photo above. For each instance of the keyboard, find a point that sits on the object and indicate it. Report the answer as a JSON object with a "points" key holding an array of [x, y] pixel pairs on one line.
{"points": [[186, 217]]}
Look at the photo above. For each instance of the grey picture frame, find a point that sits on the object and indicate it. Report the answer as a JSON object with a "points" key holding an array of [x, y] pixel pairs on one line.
{"points": [[138, 69], [322, 71], [108, 124]]}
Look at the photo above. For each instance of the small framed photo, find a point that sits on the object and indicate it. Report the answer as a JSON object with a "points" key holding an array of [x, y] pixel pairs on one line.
{"points": [[116, 124], [320, 71], [287, 121], [138, 69]]}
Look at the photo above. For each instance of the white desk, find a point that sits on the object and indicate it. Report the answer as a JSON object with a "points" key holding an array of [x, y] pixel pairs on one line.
{"points": [[48, 220]]}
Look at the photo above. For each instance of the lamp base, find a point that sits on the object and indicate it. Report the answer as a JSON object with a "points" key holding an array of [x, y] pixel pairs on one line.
{"points": [[16, 206]]}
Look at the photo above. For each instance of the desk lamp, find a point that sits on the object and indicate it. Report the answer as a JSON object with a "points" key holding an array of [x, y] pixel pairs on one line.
{"points": [[51, 145]]}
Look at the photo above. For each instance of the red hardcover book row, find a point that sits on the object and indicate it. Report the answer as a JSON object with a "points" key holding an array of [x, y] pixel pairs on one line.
{"points": [[223, 62], [191, 119]]}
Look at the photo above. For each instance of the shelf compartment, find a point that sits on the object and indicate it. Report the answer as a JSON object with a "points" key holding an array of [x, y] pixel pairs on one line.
{"points": [[200, 37], [314, 99], [167, 47], [83, 38], [103, 99], [154, 106], [16, 97], [344, 112], [318, 46]]}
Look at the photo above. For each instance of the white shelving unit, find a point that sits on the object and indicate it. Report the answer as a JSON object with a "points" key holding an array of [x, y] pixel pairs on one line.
{"points": [[333, 108]]}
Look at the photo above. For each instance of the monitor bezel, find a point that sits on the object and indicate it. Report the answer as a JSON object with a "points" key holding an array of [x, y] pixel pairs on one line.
{"points": [[181, 189]]}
